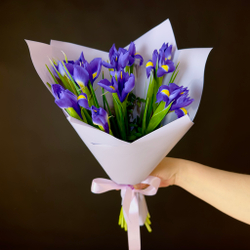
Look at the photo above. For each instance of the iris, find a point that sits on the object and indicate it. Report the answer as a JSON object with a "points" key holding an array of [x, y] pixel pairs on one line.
{"points": [[81, 76], [86, 72], [163, 60], [121, 83], [182, 101], [168, 93], [100, 118], [65, 98], [165, 66], [165, 63], [117, 59], [177, 95], [81, 60], [82, 100], [133, 56], [80, 70], [110, 86], [181, 112], [151, 64], [166, 51], [93, 68], [69, 66]]}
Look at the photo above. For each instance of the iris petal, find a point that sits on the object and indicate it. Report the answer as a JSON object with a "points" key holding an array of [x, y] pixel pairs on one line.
{"points": [[82, 100], [65, 98], [81, 76], [94, 68], [123, 60], [181, 112], [100, 118], [107, 85]]}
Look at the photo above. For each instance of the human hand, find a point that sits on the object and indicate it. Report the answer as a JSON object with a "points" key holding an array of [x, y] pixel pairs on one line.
{"points": [[167, 171]]}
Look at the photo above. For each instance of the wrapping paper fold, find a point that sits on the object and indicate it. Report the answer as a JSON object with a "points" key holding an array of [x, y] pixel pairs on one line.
{"points": [[131, 163]]}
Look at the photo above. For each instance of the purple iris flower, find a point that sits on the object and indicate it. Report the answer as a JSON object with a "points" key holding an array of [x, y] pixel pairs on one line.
{"points": [[151, 64], [183, 100], [181, 112], [100, 118], [93, 68], [82, 101], [81, 76], [133, 56], [168, 93], [124, 84], [69, 66], [178, 95], [81, 61], [65, 98], [165, 66], [164, 60], [110, 86], [117, 59], [80, 70], [166, 51]]}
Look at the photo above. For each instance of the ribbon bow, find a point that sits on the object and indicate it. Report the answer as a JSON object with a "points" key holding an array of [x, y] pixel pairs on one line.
{"points": [[133, 202]]}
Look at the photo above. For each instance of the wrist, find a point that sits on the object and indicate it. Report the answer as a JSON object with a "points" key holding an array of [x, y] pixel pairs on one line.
{"points": [[181, 172]]}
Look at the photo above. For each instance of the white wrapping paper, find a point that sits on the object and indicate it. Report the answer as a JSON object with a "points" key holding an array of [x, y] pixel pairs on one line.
{"points": [[131, 163]]}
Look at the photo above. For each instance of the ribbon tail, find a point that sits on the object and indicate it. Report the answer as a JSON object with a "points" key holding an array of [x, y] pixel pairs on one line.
{"points": [[143, 209], [134, 237]]}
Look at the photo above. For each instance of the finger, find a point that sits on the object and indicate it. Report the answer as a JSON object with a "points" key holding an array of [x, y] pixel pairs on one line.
{"points": [[141, 186]]}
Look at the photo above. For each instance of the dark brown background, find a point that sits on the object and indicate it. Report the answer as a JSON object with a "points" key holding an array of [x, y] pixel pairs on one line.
{"points": [[46, 170]]}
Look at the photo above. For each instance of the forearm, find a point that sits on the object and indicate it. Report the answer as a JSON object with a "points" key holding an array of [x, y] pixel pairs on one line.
{"points": [[228, 192]]}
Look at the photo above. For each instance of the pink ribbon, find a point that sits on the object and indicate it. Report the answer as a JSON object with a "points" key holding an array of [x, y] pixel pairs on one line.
{"points": [[133, 202]]}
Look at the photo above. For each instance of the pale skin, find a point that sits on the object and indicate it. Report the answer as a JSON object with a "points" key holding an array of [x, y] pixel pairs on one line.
{"points": [[229, 192]]}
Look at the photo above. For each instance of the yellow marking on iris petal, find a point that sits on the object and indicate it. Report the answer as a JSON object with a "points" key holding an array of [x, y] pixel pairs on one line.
{"points": [[136, 53], [112, 87], [116, 58], [184, 111], [81, 97], [95, 111], [166, 92], [165, 67], [94, 75], [121, 74], [169, 58], [149, 64], [81, 84]]}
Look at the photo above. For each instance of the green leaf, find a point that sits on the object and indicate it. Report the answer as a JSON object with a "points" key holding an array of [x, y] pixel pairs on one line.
{"points": [[51, 74], [96, 104], [103, 100], [173, 76], [73, 113], [144, 119], [48, 85], [119, 115], [131, 69], [158, 116], [66, 59], [64, 81], [84, 117], [71, 81]]}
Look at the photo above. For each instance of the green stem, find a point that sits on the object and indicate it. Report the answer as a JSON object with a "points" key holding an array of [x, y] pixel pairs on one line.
{"points": [[131, 69], [119, 115], [144, 122], [93, 95], [71, 81]]}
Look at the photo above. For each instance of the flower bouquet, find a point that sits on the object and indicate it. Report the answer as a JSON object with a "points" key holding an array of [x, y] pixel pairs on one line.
{"points": [[130, 107]]}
